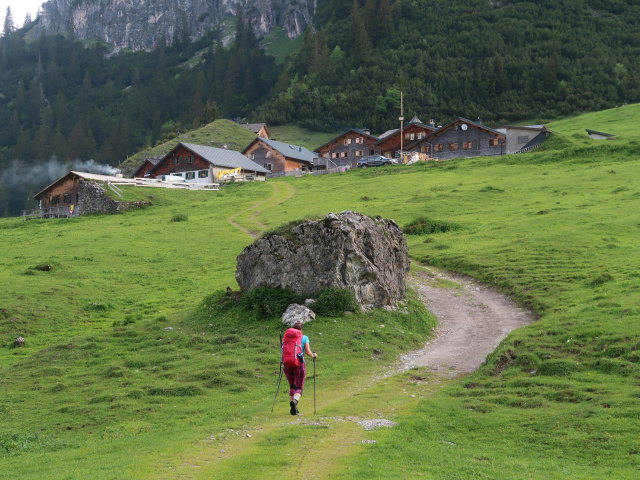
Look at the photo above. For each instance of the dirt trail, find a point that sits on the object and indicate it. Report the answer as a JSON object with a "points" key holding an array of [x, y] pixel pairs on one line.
{"points": [[282, 192], [472, 320]]}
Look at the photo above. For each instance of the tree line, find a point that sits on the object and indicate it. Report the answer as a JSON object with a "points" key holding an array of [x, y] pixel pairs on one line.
{"points": [[497, 61], [67, 100]]}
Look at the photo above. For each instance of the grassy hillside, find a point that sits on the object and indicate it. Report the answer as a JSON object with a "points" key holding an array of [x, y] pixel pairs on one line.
{"points": [[297, 135], [133, 370], [215, 134]]}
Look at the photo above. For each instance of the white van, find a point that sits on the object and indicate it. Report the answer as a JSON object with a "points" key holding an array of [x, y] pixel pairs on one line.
{"points": [[171, 178]]}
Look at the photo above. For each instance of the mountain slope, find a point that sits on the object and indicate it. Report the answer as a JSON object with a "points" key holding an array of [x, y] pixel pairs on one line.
{"points": [[499, 61]]}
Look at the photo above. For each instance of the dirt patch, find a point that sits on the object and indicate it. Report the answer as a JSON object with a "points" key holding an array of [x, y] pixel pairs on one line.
{"points": [[472, 321]]}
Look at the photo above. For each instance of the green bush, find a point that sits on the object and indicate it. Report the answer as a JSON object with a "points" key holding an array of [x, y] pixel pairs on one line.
{"points": [[613, 366], [333, 302], [600, 280], [267, 302], [179, 217], [424, 226], [527, 361], [558, 367]]}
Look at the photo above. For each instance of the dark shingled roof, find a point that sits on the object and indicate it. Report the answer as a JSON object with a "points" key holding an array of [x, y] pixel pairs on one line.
{"points": [[221, 157], [254, 127], [292, 151]]}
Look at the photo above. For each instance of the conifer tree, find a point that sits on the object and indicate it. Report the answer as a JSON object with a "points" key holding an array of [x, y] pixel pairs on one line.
{"points": [[9, 26]]}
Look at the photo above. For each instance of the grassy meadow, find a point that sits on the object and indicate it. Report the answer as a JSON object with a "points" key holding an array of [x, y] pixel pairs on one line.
{"points": [[137, 366]]}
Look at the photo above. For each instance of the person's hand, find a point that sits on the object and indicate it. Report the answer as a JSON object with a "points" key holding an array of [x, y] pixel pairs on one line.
{"points": [[315, 355]]}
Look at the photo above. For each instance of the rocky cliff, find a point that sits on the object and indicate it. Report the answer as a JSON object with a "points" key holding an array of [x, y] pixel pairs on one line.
{"points": [[142, 24]]}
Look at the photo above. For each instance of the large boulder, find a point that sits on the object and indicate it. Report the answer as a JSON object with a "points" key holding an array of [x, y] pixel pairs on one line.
{"points": [[346, 250]]}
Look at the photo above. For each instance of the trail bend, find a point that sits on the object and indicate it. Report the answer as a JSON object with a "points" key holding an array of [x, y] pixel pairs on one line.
{"points": [[472, 321], [247, 220]]}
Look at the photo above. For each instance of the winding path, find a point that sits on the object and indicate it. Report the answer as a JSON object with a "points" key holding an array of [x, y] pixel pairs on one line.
{"points": [[472, 320], [282, 191]]}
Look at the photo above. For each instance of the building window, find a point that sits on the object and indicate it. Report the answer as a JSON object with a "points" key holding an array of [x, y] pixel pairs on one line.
{"points": [[190, 175], [358, 153], [438, 148], [425, 148], [406, 136], [359, 140], [55, 200], [268, 166], [268, 154], [65, 199], [253, 156], [176, 160], [334, 155], [523, 139], [493, 142], [203, 174], [420, 135], [347, 141], [453, 146], [345, 154], [467, 145]]}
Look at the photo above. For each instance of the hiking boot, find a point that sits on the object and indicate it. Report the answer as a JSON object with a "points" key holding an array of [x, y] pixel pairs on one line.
{"points": [[294, 407]]}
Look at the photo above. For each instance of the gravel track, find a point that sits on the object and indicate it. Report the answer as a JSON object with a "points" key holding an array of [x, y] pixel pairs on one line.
{"points": [[472, 321]]}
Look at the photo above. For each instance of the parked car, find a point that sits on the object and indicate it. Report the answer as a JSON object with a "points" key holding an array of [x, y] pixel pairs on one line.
{"points": [[374, 161]]}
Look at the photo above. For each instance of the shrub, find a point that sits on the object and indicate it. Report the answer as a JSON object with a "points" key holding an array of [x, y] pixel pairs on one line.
{"points": [[423, 226], [527, 361], [491, 189], [179, 217], [267, 302], [333, 302], [613, 366], [600, 280], [558, 367], [183, 391]]}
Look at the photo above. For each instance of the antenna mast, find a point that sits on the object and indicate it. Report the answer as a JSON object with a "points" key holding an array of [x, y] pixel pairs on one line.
{"points": [[401, 118]]}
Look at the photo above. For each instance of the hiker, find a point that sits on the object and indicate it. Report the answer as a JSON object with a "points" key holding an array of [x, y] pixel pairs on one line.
{"points": [[294, 346]]}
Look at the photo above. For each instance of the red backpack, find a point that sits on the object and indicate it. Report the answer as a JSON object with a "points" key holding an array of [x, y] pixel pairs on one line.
{"points": [[292, 348]]}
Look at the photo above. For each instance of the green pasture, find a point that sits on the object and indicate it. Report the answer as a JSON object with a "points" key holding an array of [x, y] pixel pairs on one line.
{"points": [[298, 135], [137, 366]]}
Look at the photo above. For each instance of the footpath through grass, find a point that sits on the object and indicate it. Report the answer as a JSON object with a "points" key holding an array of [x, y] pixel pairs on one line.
{"points": [[128, 374]]}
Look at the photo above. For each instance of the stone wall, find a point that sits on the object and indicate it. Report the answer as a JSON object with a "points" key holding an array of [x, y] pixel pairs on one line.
{"points": [[93, 198]]}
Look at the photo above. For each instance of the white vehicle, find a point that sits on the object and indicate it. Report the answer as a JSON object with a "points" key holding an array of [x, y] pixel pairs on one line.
{"points": [[171, 178]]}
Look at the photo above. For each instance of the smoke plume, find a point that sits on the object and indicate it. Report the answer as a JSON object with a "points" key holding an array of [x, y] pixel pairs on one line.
{"points": [[20, 181]]}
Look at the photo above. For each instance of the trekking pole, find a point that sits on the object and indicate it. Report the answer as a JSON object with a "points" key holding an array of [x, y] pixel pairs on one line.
{"points": [[277, 389], [314, 385]]}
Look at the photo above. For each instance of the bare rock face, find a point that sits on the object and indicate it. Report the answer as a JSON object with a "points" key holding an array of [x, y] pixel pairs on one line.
{"points": [[144, 24], [346, 250]]}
